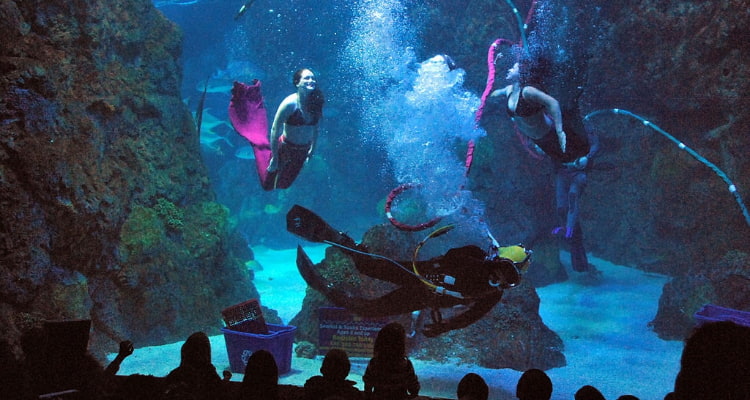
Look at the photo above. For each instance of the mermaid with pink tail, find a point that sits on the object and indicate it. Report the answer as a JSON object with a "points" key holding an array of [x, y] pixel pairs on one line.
{"points": [[280, 155]]}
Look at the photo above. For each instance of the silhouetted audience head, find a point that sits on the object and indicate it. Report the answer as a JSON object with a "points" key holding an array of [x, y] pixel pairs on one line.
{"points": [[390, 374], [534, 384], [472, 387], [589, 393], [332, 383], [196, 351], [261, 379], [336, 365], [390, 342], [715, 363], [195, 377], [627, 397]]}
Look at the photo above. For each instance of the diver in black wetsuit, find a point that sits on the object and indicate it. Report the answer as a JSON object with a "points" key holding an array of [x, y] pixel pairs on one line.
{"points": [[463, 276], [558, 133]]}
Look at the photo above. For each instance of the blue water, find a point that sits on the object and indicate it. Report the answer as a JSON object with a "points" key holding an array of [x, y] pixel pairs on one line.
{"points": [[393, 115]]}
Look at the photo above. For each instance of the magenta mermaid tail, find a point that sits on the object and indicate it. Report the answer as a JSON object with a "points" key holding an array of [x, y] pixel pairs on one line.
{"points": [[248, 115]]}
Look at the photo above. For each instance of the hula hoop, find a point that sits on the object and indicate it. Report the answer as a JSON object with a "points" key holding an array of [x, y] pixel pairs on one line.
{"points": [[398, 224]]}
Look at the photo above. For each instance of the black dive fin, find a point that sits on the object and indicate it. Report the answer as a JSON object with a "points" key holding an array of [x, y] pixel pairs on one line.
{"points": [[307, 270], [308, 225], [315, 280]]}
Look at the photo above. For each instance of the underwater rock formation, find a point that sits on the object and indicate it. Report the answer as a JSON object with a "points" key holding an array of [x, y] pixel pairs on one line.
{"points": [[727, 285], [107, 212]]}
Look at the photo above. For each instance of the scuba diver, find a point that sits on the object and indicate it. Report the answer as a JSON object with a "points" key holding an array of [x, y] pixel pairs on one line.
{"points": [[466, 275]]}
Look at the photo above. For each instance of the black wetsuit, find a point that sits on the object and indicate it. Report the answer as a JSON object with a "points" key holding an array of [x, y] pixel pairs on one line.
{"points": [[469, 269]]}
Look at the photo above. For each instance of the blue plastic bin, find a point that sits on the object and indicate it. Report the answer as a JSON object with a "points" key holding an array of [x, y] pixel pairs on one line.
{"points": [[713, 313], [279, 341]]}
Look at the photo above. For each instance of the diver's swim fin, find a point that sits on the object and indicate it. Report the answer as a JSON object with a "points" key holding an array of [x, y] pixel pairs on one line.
{"points": [[338, 297], [308, 225], [307, 270]]}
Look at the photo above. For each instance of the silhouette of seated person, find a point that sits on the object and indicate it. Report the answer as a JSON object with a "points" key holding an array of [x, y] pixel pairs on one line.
{"points": [[472, 387], [589, 392], [332, 381], [15, 383], [715, 363], [195, 377], [261, 380], [57, 360], [465, 275], [534, 384], [390, 374]]}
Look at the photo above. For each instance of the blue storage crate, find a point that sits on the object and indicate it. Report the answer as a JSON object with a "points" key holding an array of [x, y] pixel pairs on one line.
{"points": [[279, 341]]}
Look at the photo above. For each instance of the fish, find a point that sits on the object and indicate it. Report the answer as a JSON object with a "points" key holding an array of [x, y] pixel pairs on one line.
{"points": [[245, 153], [209, 136], [211, 122], [243, 9], [222, 80], [210, 140], [216, 85]]}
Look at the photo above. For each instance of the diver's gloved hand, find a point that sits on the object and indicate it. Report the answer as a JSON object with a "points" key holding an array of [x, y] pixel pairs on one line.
{"points": [[559, 230], [273, 165], [581, 162]]}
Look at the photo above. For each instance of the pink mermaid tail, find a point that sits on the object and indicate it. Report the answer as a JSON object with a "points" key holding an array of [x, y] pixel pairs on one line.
{"points": [[248, 115]]}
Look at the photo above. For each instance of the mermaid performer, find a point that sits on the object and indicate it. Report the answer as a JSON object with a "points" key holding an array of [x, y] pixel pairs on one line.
{"points": [[559, 134], [280, 157]]}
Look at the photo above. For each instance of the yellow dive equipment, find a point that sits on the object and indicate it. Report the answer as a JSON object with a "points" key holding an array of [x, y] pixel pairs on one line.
{"points": [[520, 256]]}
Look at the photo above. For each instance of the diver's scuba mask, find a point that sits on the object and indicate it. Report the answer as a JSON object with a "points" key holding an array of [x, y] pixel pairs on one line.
{"points": [[512, 262], [518, 254]]}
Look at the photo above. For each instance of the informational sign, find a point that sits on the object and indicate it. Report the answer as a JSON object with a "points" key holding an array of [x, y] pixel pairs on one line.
{"points": [[340, 329]]}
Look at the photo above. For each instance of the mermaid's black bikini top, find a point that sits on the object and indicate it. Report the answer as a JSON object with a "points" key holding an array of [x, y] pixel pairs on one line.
{"points": [[524, 108], [296, 119]]}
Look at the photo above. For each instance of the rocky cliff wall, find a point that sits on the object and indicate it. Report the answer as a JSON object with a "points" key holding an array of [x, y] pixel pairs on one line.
{"points": [[105, 203]]}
